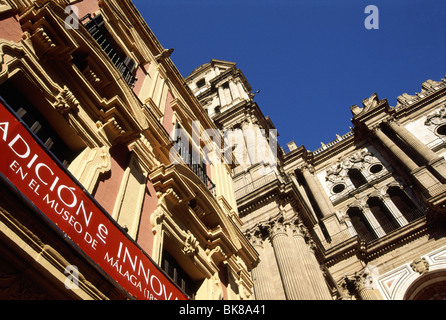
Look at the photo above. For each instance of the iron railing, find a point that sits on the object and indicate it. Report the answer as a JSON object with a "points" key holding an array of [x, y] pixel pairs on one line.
{"points": [[198, 169], [125, 65]]}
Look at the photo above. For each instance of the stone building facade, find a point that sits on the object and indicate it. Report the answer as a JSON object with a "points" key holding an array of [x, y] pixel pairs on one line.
{"points": [[188, 175], [96, 94], [359, 218]]}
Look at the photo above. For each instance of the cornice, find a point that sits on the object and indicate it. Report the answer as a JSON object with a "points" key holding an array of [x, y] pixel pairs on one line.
{"points": [[274, 190], [419, 102], [374, 112]]}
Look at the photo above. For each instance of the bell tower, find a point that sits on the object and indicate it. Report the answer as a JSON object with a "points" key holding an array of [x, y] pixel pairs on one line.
{"points": [[226, 95], [265, 196]]}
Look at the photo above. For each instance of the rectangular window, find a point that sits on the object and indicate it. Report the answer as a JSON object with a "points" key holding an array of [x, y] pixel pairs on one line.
{"points": [[178, 275], [35, 121]]}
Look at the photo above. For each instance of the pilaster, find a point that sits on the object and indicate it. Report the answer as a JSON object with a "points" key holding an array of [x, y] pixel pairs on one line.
{"points": [[317, 287], [316, 192], [260, 273]]}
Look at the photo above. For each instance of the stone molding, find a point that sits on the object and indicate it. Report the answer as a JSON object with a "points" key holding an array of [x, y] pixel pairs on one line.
{"points": [[394, 284]]}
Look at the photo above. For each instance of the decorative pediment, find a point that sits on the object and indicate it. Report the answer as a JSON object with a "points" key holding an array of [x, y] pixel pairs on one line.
{"points": [[338, 178], [358, 160]]}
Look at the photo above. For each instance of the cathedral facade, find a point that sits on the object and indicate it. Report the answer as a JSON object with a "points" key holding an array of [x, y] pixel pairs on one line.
{"points": [[359, 218]]}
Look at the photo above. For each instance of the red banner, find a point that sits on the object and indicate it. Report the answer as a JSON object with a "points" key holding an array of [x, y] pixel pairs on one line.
{"points": [[44, 183]]}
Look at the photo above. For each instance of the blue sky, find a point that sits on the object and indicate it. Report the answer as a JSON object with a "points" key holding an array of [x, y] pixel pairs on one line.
{"points": [[312, 59]]}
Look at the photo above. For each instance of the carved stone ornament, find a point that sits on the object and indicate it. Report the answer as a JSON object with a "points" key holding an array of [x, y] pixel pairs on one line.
{"points": [[361, 156], [429, 85], [277, 227], [255, 238], [436, 118], [217, 254], [44, 38], [405, 98], [337, 176], [66, 101], [190, 244], [420, 265]]}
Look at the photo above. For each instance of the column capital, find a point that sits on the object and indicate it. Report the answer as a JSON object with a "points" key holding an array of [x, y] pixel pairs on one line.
{"points": [[375, 128], [297, 229], [307, 167], [392, 122], [255, 236], [277, 227], [352, 284]]}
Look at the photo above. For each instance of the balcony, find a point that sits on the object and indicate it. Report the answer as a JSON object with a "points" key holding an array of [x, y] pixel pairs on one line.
{"points": [[371, 236], [198, 170], [184, 151], [255, 185], [125, 65]]}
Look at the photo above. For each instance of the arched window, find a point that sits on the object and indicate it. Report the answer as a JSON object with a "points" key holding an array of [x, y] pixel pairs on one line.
{"points": [[361, 225], [382, 215], [356, 177], [404, 204]]}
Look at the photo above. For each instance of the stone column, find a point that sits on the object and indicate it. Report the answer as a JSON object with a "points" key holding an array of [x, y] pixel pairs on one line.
{"points": [[259, 274], [249, 143], [428, 156], [396, 151], [316, 284], [377, 228], [305, 263], [287, 261], [396, 213], [415, 144], [242, 91], [221, 95], [429, 184], [234, 90], [317, 193]]}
